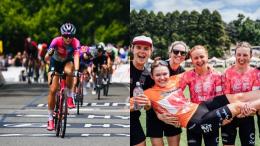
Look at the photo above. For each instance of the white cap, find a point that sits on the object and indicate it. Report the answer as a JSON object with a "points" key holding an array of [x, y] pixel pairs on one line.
{"points": [[143, 40]]}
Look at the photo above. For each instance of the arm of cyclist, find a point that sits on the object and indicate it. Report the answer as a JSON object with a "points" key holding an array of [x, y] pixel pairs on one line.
{"points": [[48, 55]]}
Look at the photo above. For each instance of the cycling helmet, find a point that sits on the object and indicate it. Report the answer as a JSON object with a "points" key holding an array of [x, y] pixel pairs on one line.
{"points": [[109, 49], [68, 29], [84, 49], [100, 47]]}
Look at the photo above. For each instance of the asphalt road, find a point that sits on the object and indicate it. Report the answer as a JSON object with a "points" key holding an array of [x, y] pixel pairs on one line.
{"points": [[23, 118]]}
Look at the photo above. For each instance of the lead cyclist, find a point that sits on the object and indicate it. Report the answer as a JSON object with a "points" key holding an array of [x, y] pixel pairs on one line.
{"points": [[62, 55]]}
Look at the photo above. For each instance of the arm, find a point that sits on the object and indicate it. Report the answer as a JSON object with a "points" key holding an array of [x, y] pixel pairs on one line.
{"points": [[141, 100], [48, 55], [76, 61]]}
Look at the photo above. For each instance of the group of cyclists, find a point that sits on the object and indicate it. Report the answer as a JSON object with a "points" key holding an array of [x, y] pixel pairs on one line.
{"points": [[217, 100], [66, 54]]}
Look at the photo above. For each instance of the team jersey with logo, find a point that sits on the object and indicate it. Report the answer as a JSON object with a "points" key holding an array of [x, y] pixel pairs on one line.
{"points": [[171, 99], [202, 87], [235, 82], [258, 79], [63, 52]]}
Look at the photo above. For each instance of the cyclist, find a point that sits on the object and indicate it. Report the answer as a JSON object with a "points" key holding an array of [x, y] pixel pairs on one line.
{"points": [[86, 61], [62, 55], [31, 49], [240, 78], [100, 60], [110, 60], [204, 84]]}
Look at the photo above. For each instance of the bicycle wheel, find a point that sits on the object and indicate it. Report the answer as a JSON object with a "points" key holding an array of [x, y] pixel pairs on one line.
{"points": [[77, 103], [58, 114], [64, 116], [55, 114], [107, 87], [77, 99], [82, 95], [104, 89], [98, 86]]}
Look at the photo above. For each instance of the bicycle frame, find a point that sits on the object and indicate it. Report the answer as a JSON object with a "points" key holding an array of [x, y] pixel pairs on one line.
{"points": [[61, 109], [79, 92]]}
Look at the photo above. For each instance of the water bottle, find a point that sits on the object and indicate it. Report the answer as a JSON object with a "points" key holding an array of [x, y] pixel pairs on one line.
{"points": [[136, 92]]}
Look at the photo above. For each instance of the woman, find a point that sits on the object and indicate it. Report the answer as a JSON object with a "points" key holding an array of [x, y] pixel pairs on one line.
{"points": [[167, 97], [63, 55], [240, 78], [142, 48], [204, 83], [161, 125]]}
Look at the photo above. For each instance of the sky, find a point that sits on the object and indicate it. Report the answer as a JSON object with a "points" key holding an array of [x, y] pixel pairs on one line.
{"points": [[229, 9]]}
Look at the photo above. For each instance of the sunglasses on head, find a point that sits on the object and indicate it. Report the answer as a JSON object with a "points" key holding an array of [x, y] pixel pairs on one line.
{"points": [[67, 36], [159, 62], [177, 52]]}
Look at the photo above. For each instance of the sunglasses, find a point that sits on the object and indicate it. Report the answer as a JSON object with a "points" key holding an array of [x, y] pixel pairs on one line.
{"points": [[177, 52], [67, 36], [159, 62]]}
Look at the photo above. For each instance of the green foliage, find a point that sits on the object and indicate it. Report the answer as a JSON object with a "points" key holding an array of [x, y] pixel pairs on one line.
{"points": [[194, 28], [95, 20]]}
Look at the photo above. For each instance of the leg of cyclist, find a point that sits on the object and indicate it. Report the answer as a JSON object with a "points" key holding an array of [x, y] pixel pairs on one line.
{"points": [[51, 100], [70, 81]]}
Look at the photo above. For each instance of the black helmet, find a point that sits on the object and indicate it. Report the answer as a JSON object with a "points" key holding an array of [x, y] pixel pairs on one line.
{"points": [[68, 29], [100, 47]]}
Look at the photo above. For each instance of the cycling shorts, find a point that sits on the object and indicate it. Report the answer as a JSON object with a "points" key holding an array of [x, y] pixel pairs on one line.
{"points": [[209, 116], [156, 128], [58, 66], [246, 131], [136, 131], [84, 66]]}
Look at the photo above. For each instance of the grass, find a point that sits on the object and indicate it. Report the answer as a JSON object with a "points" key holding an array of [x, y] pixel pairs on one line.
{"points": [[183, 141]]}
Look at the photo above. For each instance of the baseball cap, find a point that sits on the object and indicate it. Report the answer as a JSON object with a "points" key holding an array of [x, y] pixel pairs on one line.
{"points": [[143, 40]]}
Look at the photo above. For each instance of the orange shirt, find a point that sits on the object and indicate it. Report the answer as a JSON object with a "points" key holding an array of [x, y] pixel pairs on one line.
{"points": [[172, 100]]}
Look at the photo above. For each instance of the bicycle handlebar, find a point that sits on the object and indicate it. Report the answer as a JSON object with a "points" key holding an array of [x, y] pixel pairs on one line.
{"points": [[62, 74]]}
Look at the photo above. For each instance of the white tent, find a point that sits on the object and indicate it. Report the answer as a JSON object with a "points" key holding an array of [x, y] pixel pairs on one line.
{"points": [[231, 61], [255, 62], [217, 62]]}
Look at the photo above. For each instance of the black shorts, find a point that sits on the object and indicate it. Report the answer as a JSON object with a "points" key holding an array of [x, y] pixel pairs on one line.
{"points": [[156, 128], [208, 116], [246, 131], [136, 131], [58, 66]]}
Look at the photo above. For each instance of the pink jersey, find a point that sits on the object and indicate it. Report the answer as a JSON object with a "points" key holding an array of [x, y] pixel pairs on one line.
{"points": [[235, 82], [202, 87], [257, 80], [63, 52]]}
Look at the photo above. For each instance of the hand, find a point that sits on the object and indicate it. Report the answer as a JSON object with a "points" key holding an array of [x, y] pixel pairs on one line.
{"points": [[76, 73], [169, 119], [246, 110], [142, 100], [225, 122]]}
